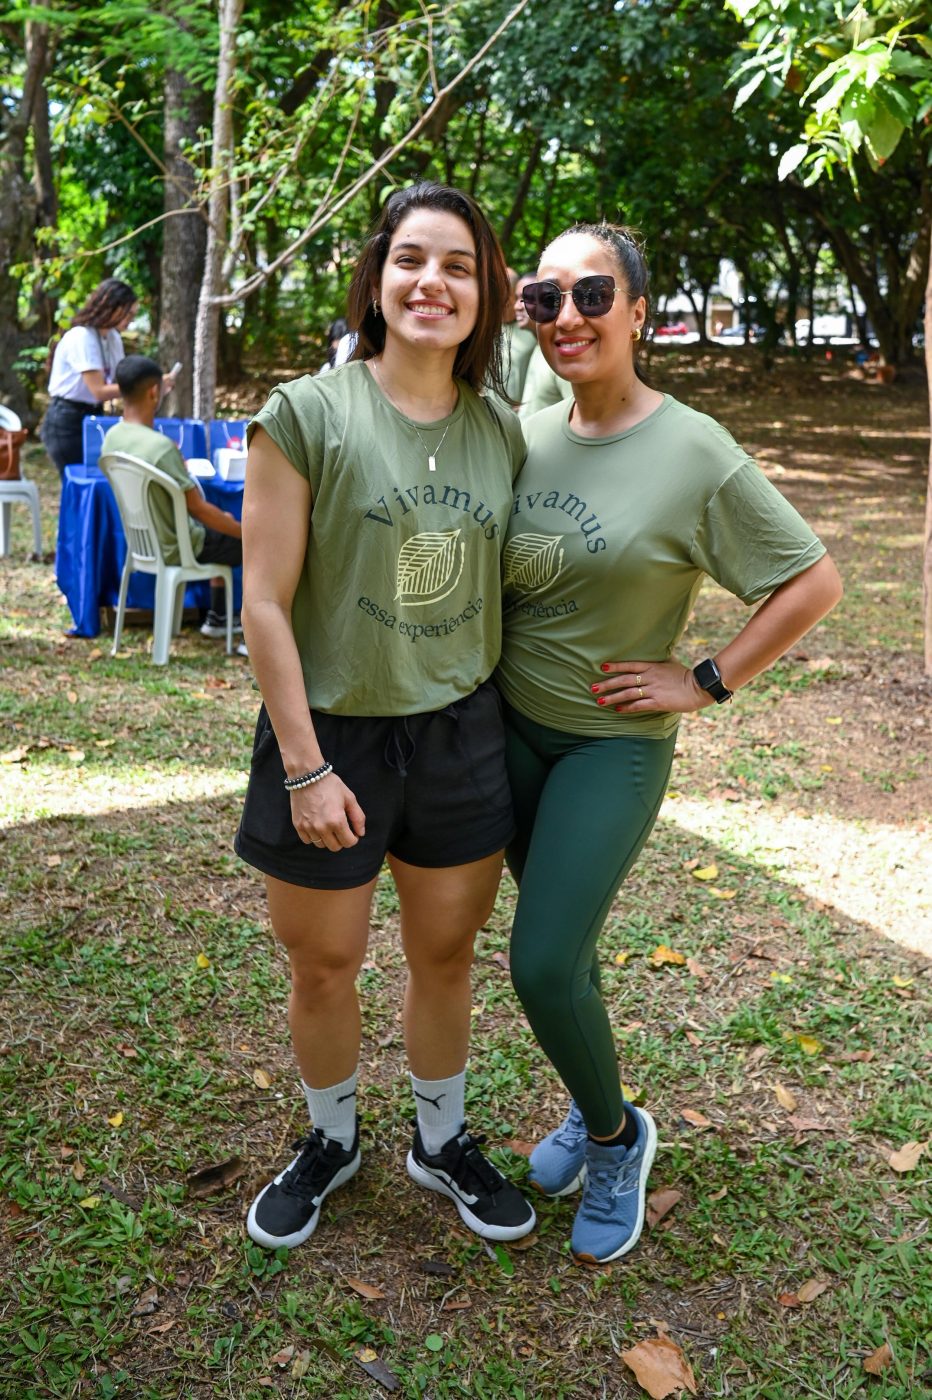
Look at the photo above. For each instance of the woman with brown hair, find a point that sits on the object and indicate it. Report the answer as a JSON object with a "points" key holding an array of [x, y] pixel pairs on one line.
{"points": [[83, 368], [377, 498]]}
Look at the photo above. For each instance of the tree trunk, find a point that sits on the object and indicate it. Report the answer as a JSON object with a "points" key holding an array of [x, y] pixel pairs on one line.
{"points": [[208, 314], [184, 239], [927, 553], [524, 184], [18, 214], [42, 310]]}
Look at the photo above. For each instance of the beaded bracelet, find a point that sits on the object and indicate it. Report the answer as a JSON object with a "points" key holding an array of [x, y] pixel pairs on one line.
{"points": [[306, 779]]}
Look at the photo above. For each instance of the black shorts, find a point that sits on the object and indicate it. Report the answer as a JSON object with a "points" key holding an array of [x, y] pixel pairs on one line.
{"points": [[433, 788]]}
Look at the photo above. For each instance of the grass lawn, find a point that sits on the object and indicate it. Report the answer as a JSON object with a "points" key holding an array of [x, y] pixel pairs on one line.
{"points": [[783, 1050]]}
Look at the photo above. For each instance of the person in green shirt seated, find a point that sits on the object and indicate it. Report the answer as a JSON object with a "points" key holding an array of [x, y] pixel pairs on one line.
{"points": [[216, 535], [627, 500], [377, 499]]}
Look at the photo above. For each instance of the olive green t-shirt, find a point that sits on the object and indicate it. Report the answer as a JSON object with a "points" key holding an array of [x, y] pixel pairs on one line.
{"points": [[398, 607], [607, 544], [519, 344], [159, 451], [542, 386]]}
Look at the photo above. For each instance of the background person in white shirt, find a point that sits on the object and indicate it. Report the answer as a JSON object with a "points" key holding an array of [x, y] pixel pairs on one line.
{"points": [[84, 363]]}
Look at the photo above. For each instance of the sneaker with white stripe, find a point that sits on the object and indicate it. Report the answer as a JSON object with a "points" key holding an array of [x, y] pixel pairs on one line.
{"points": [[486, 1202]]}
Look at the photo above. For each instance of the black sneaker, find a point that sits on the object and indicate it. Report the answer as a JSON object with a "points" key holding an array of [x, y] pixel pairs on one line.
{"points": [[215, 624], [487, 1203], [286, 1211]]}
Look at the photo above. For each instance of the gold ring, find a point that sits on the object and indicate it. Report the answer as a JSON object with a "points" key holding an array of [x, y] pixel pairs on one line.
{"points": [[640, 693], [637, 681]]}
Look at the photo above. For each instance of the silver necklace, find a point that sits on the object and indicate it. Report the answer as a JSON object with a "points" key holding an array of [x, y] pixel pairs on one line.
{"points": [[431, 456]]}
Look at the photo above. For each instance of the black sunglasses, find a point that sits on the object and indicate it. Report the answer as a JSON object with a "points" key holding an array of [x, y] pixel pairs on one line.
{"points": [[592, 296]]}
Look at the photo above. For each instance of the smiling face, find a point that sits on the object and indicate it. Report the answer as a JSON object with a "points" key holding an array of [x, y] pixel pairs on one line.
{"points": [[521, 316], [429, 289], [583, 348]]}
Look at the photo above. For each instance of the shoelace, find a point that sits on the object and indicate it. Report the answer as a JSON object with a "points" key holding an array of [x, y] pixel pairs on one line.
{"points": [[572, 1131], [487, 1176], [605, 1182], [306, 1168]]}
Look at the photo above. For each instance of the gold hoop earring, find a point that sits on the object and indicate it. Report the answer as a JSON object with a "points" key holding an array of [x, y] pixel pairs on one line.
{"points": [[636, 333], [375, 306]]}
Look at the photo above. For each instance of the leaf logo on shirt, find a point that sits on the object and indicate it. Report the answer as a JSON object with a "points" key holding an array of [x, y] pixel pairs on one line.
{"points": [[532, 561], [426, 564]]}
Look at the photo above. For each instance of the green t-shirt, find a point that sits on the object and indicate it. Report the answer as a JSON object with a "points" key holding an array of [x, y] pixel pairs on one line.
{"points": [[607, 544], [542, 386], [519, 343], [398, 607], [159, 451]]}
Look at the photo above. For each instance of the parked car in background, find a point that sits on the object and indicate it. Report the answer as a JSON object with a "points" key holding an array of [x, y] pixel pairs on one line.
{"points": [[673, 328]]}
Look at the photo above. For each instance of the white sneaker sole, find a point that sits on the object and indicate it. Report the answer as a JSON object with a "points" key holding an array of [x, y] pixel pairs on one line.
{"points": [[574, 1185], [650, 1151], [425, 1178], [256, 1232], [219, 632]]}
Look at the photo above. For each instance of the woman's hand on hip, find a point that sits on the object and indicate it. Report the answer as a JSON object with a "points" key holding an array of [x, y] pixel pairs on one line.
{"points": [[638, 687], [326, 814]]}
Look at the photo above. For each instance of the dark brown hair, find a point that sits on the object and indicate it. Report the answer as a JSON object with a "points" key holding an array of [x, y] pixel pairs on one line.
{"points": [[627, 248], [105, 304], [479, 357]]}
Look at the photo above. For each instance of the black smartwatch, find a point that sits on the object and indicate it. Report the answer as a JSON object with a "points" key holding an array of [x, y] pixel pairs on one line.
{"points": [[710, 678]]}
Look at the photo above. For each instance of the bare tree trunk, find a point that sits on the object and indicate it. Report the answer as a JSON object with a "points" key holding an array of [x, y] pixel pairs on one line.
{"points": [[43, 305], [184, 238], [927, 553], [506, 232], [208, 314], [18, 213]]}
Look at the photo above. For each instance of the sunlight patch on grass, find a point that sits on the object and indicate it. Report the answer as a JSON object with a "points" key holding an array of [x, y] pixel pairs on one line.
{"points": [[865, 870], [116, 788]]}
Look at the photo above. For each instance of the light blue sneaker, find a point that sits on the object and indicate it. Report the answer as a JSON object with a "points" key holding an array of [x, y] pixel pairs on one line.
{"points": [[558, 1163], [611, 1216]]}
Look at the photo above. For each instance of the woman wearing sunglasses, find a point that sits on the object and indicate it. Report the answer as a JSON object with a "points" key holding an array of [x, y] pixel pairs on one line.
{"points": [[627, 499], [377, 498]]}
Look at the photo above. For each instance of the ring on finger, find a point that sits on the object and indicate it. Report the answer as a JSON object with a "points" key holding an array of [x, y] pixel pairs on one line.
{"points": [[637, 681], [640, 692]]}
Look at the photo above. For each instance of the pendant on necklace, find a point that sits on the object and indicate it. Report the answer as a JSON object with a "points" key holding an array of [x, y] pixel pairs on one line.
{"points": [[431, 462]]}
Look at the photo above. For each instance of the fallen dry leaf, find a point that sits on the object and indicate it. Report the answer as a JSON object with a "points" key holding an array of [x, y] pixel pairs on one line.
{"points": [[523, 1149], [722, 894], [456, 1305], [879, 1360], [660, 1367], [146, 1303], [662, 954], [660, 1203], [261, 1079], [785, 1098], [90, 1202], [217, 683], [691, 1035], [373, 1366], [365, 1290], [79, 1171], [281, 1358], [300, 1366], [165, 1326], [696, 968], [705, 872], [116, 1121], [202, 960], [206, 1181], [849, 1056], [15, 755], [811, 1289], [808, 1044], [907, 1156], [809, 1125], [719, 1194], [52, 861], [621, 959], [72, 697], [695, 1118]]}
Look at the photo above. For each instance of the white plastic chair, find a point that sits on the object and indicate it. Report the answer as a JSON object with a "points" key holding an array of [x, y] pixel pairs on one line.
{"points": [[21, 492], [133, 480]]}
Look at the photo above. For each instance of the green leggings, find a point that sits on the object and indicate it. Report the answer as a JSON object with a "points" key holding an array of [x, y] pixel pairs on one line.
{"points": [[584, 808]]}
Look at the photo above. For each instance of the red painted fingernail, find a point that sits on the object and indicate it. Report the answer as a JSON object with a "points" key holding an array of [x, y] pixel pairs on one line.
{"points": [[594, 689], [618, 709], [604, 666], [601, 700]]}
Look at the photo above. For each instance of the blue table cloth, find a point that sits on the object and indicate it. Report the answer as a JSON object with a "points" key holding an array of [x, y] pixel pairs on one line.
{"points": [[188, 434], [92, 547]]}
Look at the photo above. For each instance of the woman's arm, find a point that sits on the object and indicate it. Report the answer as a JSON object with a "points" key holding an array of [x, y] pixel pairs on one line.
{"points": [[101, 390], [635, 687], [276, 519]]}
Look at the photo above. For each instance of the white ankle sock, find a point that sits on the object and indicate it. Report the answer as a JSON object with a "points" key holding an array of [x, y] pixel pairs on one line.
{"points": [[440, 1109], [333, 1110]]}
